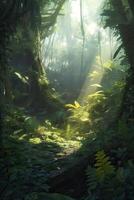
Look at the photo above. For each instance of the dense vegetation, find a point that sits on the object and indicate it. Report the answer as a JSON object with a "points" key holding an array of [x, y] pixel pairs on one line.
{"points": [[67, 100]]}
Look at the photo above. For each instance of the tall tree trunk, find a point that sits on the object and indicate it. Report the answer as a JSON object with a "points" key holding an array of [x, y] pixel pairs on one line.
{"points": [[83, 42], [126, 30], [131, 3], [127, 108]]}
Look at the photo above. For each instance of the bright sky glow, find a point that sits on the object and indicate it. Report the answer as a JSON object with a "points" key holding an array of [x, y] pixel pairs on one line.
{"points": [[91, 17], [63, 44], [75, 10], [89, 9], [90, 14], [92, 28]]}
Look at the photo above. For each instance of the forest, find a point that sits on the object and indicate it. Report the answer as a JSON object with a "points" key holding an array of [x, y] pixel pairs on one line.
{"points": [[66, 100]]}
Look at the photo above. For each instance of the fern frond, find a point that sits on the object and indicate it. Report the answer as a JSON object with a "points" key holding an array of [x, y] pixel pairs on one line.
{"points": [[70, 106], [91, 178], [103, 165], [97, 85], [76, 105], [23, 78]]}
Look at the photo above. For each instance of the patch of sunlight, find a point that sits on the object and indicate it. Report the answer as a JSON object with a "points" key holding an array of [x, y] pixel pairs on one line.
{"points": [[71, 145], [75, 143], [35, 140], [92, 81], [85, 117], [109, 65], [55, 139], [41, 130], [92, 28], [76, 105], [75, 15], [63, 44], [94, 75]]}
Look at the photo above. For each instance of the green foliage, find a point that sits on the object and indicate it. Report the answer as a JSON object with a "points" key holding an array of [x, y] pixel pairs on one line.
{"points": [[99, 177], [22, 179], [68, 131], [76, 105], [103, 169], [94, 75], [24, 79], [103, 166], [91, 179], [31, 123], [35, 151], [118, 51], [16, 121], [107, 182], [97, 96], [42, 196], [43, 81], [32, 153]]}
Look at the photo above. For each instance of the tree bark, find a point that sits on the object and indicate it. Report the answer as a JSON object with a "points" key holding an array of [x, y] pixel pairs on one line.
{"points": [[126, 30], [131, 3]]}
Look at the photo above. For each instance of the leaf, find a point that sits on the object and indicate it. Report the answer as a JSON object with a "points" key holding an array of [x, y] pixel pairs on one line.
{"points": [[117, 51], [77, 105], [91, 178], [18, 131], [94, 75], [97, 94], [107, 13], [108, 65], [103, 165], [24, 79], [96, 85], [70, 106]]}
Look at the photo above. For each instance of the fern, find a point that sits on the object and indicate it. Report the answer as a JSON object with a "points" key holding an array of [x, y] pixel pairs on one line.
{"points": [[23, 78], [94, 75], [76, 105], [109, 65], [98, 97], [91, 179], [103, 166], [97, 85]]}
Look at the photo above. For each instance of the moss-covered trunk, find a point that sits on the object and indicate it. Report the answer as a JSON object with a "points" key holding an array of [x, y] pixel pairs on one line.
{"points": [[126, 29]]}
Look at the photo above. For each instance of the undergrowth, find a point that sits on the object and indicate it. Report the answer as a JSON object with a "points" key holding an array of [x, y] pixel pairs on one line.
{"points": [[34, 151]]}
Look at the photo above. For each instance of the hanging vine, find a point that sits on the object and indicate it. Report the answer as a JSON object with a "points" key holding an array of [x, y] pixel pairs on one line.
{"points": [[83, 37]]}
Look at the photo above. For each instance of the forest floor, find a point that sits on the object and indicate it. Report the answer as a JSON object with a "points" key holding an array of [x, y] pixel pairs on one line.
{"points": [[36, 152], [41, 156], [44, 148]]}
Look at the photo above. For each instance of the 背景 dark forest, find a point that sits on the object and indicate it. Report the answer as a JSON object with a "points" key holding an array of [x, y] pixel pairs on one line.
{"points": [[67, 99]]}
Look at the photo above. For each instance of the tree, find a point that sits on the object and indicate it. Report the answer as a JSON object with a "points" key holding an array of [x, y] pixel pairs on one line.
{"points": [[121, 19], [33, 20]]}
